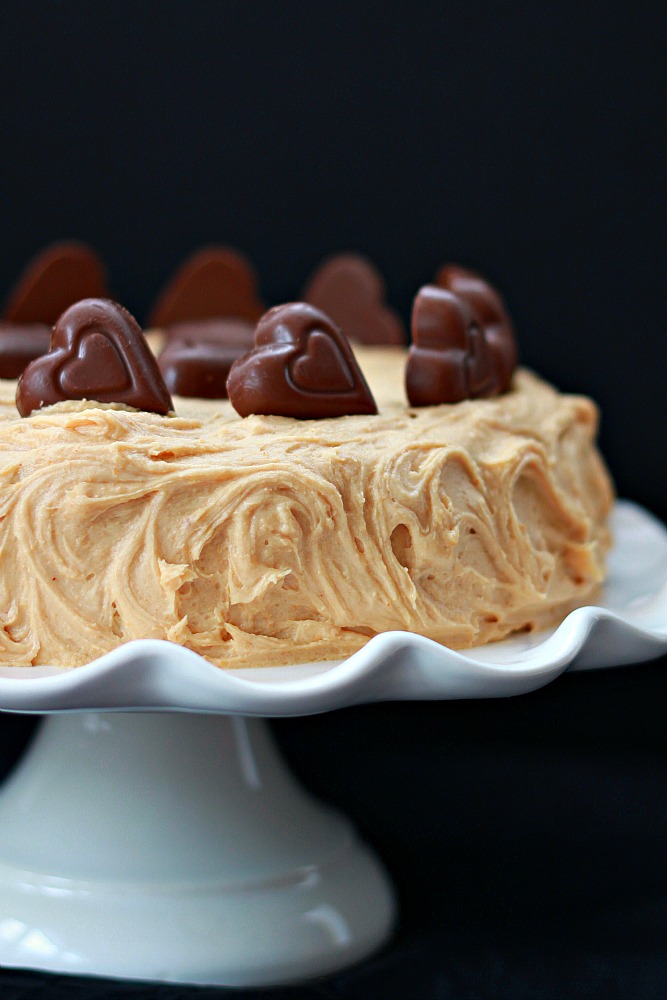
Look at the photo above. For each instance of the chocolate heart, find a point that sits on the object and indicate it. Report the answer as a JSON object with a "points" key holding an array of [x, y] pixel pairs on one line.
{"points": [[350, 289], [321, 364], [96, 363], [58, 276], [214, 282], [463, 342], [21, 344], [98, 352], [490, 312], [197, 359], [302, 366]]}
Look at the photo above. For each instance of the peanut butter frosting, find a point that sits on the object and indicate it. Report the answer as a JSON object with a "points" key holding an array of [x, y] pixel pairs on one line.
{"points": [[271, 540]]}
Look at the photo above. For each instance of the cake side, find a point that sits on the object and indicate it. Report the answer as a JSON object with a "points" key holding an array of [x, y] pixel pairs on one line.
{"points": [[271, 540]]}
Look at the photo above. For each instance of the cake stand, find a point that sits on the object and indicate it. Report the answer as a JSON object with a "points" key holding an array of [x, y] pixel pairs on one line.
{"points": [[152, 831]]}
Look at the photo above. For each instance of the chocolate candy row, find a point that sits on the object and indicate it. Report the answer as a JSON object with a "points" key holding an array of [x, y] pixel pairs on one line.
{"points": [[299, 362], [215, 284]]}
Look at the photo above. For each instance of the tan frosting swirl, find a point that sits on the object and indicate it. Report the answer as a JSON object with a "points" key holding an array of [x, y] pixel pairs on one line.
{"points": [[271, 540]]}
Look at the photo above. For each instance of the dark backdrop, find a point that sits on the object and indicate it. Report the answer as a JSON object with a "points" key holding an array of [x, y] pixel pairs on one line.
{"points": [[527, 141], [523, 139]]}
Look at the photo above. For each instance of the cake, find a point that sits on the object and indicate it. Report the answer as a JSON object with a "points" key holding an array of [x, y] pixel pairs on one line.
{"points": [[267, 539], [341, 491]]}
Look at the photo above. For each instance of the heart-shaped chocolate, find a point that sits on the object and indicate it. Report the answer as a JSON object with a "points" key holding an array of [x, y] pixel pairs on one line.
{"points": [[60, 275], [20, 344], [215, 282], [321, 364], [199, 355], [98, 352], [349, 289], [302, 366], [490, 312], [97, 363], [463, 342]]}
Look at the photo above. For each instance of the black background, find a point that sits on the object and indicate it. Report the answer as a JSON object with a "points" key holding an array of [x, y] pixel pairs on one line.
{"points": [[526, 140]]}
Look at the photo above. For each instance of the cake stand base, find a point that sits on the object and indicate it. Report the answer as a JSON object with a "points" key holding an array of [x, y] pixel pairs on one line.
{"points": [[177, 847]]}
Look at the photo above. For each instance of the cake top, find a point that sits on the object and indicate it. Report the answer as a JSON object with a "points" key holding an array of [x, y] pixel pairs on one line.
{"points": [[200, 427], [215, 337]]}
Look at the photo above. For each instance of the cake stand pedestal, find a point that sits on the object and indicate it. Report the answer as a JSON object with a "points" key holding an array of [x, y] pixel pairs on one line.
{"points": [[177, 847], [152, 832]]}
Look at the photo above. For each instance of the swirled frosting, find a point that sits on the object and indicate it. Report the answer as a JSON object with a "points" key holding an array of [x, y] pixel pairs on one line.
{"points": [[270, 540]]}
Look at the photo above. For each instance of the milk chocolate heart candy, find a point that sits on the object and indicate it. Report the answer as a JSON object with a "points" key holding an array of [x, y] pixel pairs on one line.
{"points": [[213, 282], [491, 315], [58, 276], [20, 344], [98, 352], [450, 358], [350, 289], [302, 366], [198, 356]]}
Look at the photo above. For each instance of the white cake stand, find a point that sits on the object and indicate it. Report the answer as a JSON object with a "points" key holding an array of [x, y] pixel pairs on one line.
{"points": [[152, 832]]}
